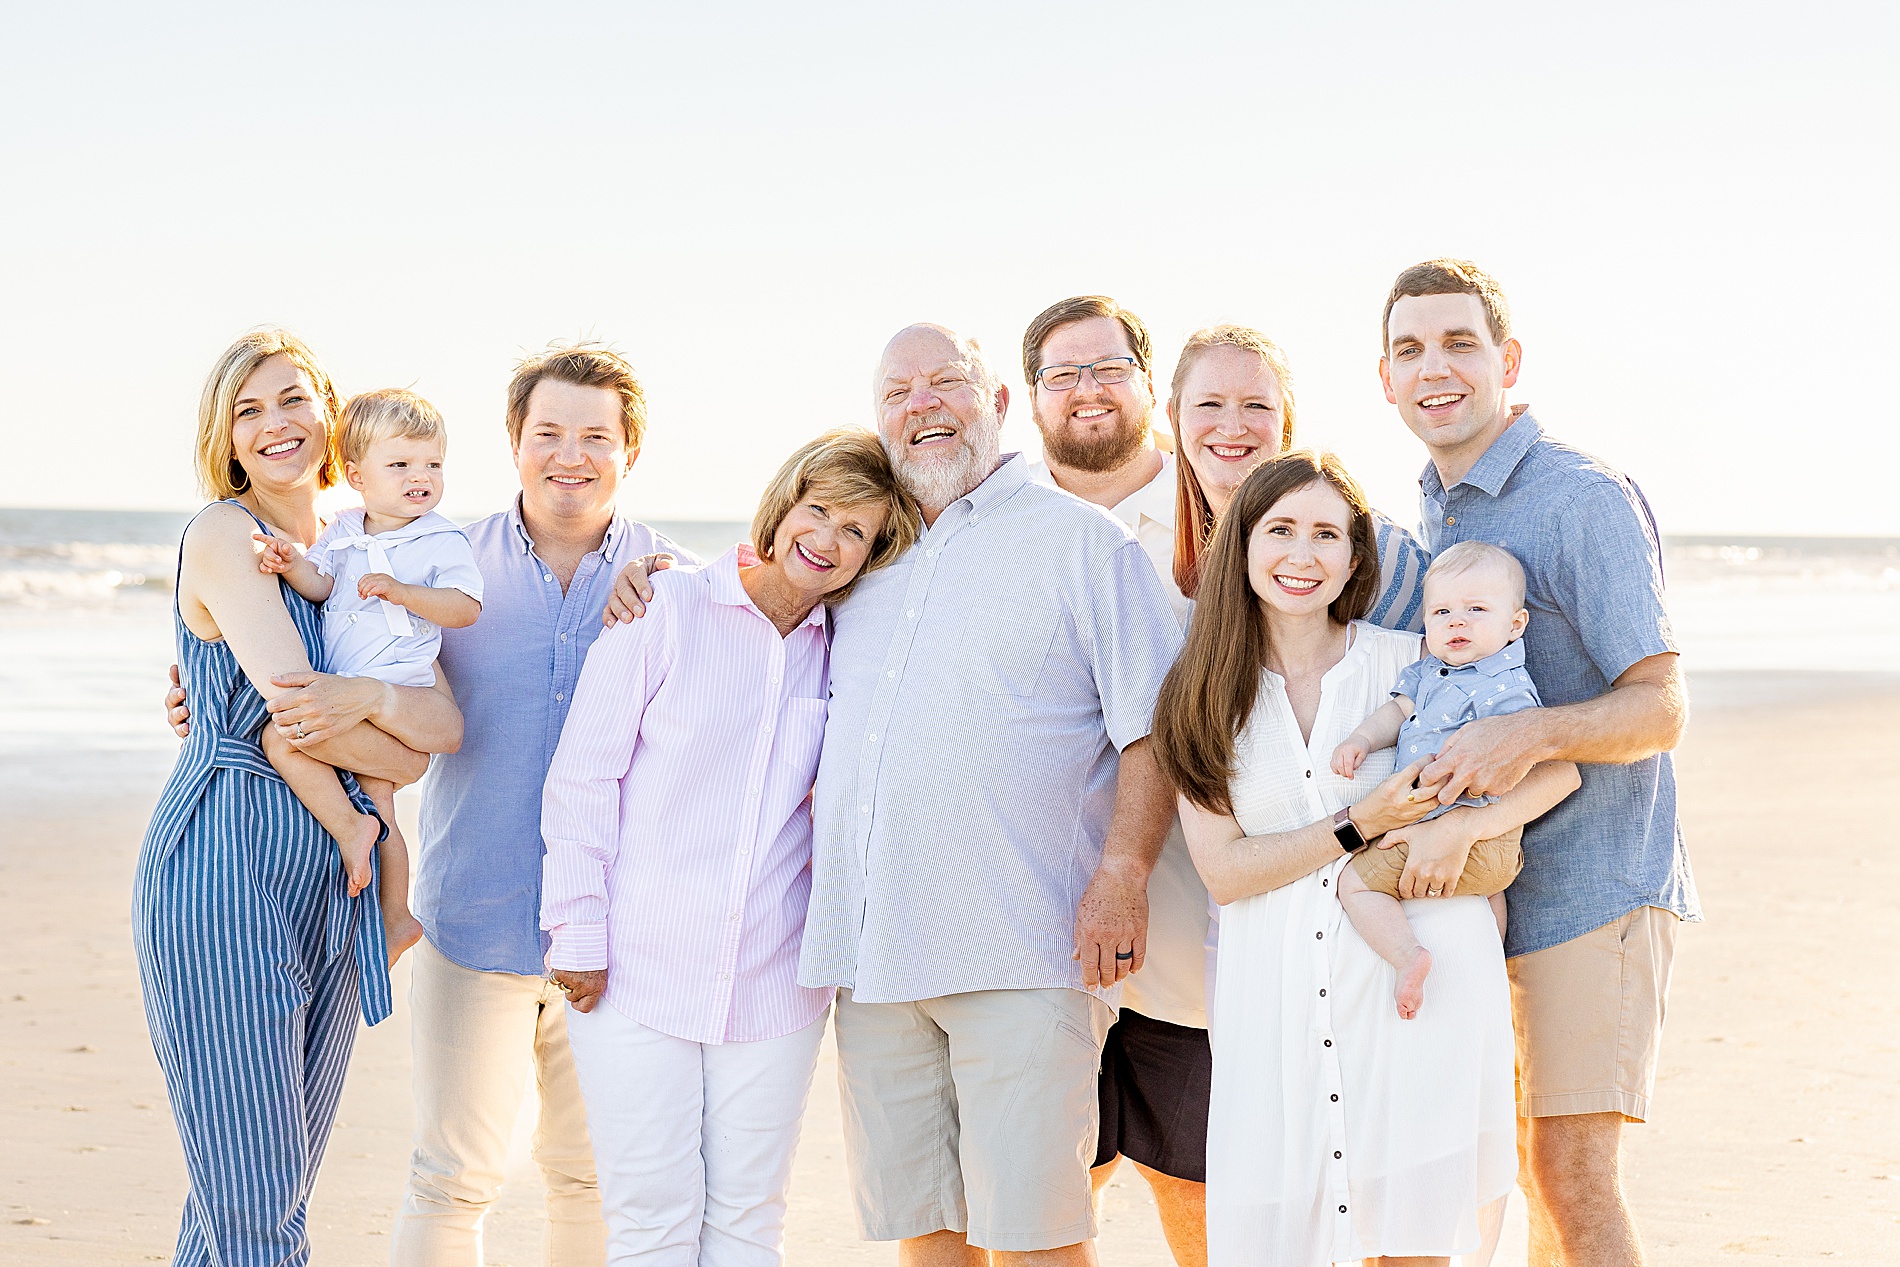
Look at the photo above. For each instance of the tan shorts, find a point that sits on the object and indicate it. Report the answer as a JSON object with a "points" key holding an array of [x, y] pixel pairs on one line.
{"points": [[973, 1113], [1589, 1017], [1489, 867]]}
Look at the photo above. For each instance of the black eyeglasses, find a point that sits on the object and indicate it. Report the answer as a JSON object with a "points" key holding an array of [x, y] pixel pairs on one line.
{"points": [[1107, 372]]}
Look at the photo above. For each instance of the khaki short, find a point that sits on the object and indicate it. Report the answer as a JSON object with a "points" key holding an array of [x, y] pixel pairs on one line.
{"points": [[1589, 1018], [973, 1113], [1489, 867]]}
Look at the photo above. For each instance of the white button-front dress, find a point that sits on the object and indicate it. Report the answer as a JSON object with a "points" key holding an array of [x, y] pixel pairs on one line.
{"points": [[1337, 1130]]}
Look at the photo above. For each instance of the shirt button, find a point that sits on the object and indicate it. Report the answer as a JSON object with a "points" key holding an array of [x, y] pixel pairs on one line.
{"points": [[864, 809], [732, 918], [559, 696], [1309, 774], [873, 738], [912, 613], [1337, 1155], [1335, 1099], [1451, 519], [547, 576], [1322, 994], [727, 976], [563, 637], [1319, 936], [1443, 672], [1342, 1209], [890, 673], [1329, 1042]]}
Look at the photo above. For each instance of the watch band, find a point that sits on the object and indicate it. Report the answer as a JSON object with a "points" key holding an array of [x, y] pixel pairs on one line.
{"points": [[1347, 832]]}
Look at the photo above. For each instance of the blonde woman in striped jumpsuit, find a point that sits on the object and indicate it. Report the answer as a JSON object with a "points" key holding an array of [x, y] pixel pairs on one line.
{"points": [[254, 959]]}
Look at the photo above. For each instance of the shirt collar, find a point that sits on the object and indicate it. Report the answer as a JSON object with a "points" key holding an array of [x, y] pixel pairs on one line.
{"points": [[1490, 471], [722, 574], [1503, 660], [1153, 500], [609, 546], [1001, 485]]}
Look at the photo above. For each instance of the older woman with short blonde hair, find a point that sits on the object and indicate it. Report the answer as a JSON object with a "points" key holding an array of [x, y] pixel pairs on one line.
{"points": [[254, 959], [677, 817]]}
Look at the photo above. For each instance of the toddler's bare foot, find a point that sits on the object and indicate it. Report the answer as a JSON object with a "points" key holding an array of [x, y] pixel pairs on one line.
{"points": [[400, 934], [1410, 992], [357, 850]]}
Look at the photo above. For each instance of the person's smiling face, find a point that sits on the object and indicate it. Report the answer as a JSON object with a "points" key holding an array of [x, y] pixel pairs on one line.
{"points": [[1447, 373], [278, 432], [1091, 427], [939, 415], [821, 545], [1232, 418], [400, 477], [573, 450], [1299, 554]]}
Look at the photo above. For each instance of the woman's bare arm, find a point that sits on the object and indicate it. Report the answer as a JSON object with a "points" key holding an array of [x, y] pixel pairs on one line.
{"points": [[223, 595], [1234, 865], [368, 726]]}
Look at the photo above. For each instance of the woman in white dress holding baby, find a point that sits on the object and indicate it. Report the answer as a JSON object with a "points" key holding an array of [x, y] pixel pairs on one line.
{"points": [[1340, 1130]]}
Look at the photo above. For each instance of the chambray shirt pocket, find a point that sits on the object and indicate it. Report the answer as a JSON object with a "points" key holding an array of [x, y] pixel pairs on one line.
{"points": [[1004, 646]]}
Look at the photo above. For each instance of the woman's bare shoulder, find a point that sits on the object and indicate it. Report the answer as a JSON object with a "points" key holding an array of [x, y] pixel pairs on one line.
{"points": [[219, 535]]}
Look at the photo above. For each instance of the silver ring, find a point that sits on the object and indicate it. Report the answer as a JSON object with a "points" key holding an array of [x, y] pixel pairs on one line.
{"points": [[300, 730], [1433, 892]]}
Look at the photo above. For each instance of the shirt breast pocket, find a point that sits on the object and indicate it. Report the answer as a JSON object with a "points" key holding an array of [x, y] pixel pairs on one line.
{"points": [[1004, 646], [801, 734]]}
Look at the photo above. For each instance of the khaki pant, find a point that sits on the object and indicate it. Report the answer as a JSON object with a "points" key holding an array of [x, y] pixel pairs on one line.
{"points": [[476, 1037], [1489, 867]]}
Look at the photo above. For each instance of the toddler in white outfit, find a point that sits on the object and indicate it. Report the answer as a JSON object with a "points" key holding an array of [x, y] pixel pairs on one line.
{"points": [[391, 575]]}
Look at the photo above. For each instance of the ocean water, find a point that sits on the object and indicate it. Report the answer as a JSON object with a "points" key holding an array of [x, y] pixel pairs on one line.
{"points": [[86, 634]]}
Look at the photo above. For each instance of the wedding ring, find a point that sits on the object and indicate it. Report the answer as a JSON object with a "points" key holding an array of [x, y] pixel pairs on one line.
{"points": [[1433, 892], [300, 730], [1124, 955]]}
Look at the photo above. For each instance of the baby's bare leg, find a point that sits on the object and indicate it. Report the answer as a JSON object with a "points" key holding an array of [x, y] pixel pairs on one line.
{"points": [[1381, 922], [316, 785], [401, 930]]}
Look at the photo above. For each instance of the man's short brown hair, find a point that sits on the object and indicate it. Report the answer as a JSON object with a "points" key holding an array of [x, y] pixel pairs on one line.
{"points": [[1449, 277], [1081, 308], [583, 365]]}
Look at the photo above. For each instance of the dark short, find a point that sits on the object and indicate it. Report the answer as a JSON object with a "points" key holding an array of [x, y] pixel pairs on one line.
{"points": [[1154, 1087]]}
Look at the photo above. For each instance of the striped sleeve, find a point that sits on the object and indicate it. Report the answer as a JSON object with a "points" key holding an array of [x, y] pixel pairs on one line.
{"points": [[580, 803], [1400, 603]]}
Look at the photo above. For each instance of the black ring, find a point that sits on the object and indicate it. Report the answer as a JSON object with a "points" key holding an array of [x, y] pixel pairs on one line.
{"points": [[1120, 955]]}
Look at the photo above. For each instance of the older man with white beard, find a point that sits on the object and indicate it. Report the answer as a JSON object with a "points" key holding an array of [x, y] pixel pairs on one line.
{"points": [[987, 815]]}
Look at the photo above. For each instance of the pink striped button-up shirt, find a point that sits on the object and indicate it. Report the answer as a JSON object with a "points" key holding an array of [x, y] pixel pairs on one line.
{"points": [[677, 813]]}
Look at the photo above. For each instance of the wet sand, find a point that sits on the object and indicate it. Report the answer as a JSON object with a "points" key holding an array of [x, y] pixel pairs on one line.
{"points": [[1777, 1127]]}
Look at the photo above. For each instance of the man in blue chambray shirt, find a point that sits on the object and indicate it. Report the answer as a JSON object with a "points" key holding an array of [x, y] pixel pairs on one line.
{"points": [[1606, 881]]}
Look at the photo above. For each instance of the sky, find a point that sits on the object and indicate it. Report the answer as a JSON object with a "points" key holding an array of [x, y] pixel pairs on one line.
{"points": [[1689, 205]]}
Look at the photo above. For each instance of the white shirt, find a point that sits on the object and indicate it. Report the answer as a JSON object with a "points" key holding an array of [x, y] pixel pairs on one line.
{"points": [[1336, 1130], [373, 637], [1172, 983]]}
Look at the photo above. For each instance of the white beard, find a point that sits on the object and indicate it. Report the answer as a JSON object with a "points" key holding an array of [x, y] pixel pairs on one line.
{"points": [[937, 480]]}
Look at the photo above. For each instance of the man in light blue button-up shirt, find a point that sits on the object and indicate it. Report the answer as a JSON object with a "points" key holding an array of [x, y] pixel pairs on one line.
{"points": [[1593, 916], [986, 818]]}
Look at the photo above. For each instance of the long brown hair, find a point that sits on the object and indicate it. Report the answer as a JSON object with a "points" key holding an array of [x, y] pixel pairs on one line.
{"points": [[1193, 516], [1209, 694]]}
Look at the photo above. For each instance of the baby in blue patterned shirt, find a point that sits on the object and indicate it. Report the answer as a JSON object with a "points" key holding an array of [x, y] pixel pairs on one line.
{"points": [[1473, 667]]}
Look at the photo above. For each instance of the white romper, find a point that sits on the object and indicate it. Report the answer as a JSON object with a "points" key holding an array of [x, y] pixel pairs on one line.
{"points": [[371, 637], [1338, 1131]]}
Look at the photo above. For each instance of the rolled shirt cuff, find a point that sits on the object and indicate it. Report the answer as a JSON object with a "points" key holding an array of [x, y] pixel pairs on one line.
{"points": [[579, 948]]}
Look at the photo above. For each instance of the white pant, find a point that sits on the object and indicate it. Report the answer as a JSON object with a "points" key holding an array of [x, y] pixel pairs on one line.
{"points": [[476, 1037], [694, 1140]]}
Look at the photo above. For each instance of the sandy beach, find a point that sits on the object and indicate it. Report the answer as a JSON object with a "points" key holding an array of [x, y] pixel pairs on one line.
{"points": [[1777, 1128]]}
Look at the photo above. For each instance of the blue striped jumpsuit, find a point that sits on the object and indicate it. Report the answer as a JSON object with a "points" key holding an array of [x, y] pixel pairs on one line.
{"points": [[254, 962]]}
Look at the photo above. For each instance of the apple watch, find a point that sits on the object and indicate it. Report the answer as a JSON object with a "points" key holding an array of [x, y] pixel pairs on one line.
{"points": [[1347, 832]]}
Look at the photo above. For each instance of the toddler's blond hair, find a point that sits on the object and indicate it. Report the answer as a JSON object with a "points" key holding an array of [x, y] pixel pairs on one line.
{"points": [[378, 415], [1466, 555]]}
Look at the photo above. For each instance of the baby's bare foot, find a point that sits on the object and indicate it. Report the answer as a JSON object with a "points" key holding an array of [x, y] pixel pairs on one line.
{"points": [[357, 851], [400, 934], [1410, 992]]}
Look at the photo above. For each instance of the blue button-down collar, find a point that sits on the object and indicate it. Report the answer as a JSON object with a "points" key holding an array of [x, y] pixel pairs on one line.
{"points": [[609, 546], [1490, 471], [1003, 483], [1509, 656]]}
